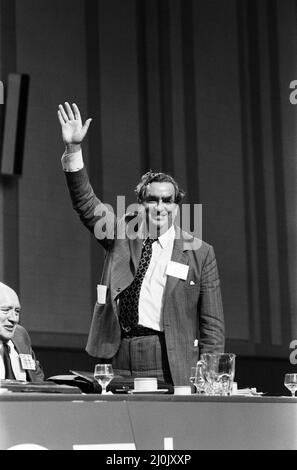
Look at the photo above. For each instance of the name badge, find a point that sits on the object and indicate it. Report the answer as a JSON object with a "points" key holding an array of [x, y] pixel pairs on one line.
{"points": [[101, 294], [27, 362], [177, 270]]}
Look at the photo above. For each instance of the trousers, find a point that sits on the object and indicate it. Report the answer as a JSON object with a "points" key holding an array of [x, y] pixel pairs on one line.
{"points": [[143, 356]]}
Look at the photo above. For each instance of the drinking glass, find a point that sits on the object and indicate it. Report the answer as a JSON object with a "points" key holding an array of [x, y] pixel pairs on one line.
{"points": [[197, 377], [291, 383], [219, 372], [103, 373], [193, 376]]}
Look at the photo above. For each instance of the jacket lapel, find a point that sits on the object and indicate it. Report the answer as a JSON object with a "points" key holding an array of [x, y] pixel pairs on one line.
{"points": [[179, 256], [136, 243], [22, 348], [121, 275], [135, 250], [125, 263], [125, 257]]}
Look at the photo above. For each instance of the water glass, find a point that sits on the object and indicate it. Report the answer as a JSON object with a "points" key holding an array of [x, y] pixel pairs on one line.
{"points": [[103, 373], [197, 377], [219, 372], [291, 383], [193, 375]]}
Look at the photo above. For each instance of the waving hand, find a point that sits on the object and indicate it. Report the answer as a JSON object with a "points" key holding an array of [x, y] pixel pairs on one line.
{"points": [[73, 131]]}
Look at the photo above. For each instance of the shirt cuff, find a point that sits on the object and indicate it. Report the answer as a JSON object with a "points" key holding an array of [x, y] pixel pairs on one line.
{"points": [[72, 161]]}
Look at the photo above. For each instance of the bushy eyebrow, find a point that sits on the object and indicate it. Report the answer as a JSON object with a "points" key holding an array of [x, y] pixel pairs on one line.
{"points": [[10, 306], [155, 198]]}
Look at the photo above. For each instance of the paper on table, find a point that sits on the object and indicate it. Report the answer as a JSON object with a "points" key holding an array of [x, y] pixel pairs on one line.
{"points": [[247, 392], [89, 376]]}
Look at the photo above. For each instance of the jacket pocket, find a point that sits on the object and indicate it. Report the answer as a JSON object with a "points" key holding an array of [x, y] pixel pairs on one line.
{"points": [[189, 286], [99, 308], [192, 296]]}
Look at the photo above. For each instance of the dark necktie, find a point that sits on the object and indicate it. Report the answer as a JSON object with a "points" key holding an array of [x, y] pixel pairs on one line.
{"points": [[7, 363], [129, 298]]}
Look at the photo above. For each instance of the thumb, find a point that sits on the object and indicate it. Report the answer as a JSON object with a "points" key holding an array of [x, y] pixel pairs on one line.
{"points": [[86, 126]]}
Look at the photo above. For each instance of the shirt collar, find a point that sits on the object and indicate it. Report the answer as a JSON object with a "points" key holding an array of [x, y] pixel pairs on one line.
{"points": [[11, 345], [167, 237], [163, 239]]}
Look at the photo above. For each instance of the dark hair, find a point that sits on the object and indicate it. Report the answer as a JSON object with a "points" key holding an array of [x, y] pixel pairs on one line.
{"points": [[151, 177]]}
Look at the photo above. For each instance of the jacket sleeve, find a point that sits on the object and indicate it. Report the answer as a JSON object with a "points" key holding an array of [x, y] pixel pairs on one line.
{"points": [[39, 374], [211, 316], [98, 217]]}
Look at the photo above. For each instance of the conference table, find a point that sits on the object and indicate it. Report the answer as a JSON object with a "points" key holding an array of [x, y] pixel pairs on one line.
{"points": [[56, 421]]}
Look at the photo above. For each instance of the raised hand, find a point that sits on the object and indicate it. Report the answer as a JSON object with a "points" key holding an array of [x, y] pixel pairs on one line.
{"points": [[73, 131]]}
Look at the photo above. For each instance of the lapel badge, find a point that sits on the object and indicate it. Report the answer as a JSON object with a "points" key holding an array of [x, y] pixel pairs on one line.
{"points": [[27, 362]]}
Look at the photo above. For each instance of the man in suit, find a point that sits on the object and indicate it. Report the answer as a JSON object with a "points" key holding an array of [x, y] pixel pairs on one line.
{"points": [[159, 302], [17, 359]]}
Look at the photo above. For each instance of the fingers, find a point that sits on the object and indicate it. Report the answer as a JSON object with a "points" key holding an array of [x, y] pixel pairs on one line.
{"points": [[76, 112], [69, 110], [61, 118], [72, 114], [62, 113], [86, 125]]}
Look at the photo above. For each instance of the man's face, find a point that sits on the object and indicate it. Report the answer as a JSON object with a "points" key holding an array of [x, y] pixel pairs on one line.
{"points": [[9, 313], [160, 207]]}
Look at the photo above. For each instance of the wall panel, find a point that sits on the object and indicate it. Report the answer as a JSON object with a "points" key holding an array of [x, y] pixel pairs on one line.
{"points": [[286, 16], [54, 247], [119, 99], [219, 172]]}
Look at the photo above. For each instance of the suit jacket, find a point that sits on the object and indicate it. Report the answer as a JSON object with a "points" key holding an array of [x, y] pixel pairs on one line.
{"points": [[22, 343], [192, 308]]}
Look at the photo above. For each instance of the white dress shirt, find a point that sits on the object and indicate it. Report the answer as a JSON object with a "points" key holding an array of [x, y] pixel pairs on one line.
{"points": [[152, 288], [19, 372], [153, 284]]}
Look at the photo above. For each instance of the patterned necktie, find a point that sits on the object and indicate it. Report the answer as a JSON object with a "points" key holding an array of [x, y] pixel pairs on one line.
{"points": [[129, 298], [7, 363]]}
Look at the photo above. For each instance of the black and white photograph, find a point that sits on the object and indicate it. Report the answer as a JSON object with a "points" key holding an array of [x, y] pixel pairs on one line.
{"points": [[148, 227]]}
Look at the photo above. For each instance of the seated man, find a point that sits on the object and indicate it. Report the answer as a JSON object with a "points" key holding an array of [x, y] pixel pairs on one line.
{"points": [[17, 359]]}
